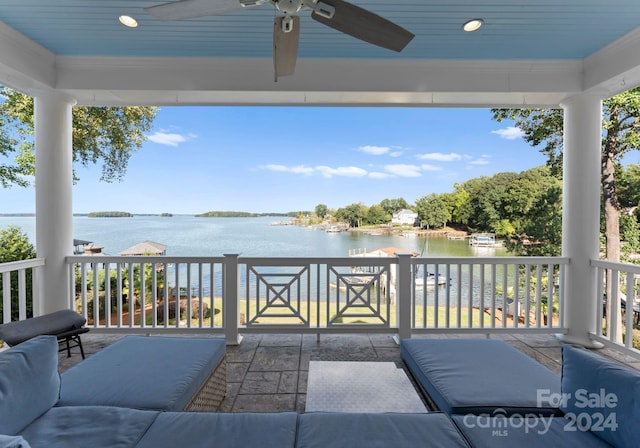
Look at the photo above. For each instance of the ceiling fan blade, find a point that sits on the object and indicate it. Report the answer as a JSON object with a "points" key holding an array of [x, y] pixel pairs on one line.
{"points": [[364, 25], [285, 45], [190, 9]]}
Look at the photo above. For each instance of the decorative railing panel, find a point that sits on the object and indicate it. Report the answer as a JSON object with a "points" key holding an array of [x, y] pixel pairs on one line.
{"points": [[279, 297], [316, 294]]}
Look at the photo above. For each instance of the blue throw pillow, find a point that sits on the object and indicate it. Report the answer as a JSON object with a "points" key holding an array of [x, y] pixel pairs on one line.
{"points": [[600, 396], [13, 442], [29, 382]]}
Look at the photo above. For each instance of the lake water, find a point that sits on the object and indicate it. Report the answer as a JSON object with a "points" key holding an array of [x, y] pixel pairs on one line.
{"points": [[191, 236], [258, 237]]}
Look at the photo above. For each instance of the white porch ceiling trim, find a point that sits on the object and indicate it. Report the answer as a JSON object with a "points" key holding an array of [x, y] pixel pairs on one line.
{"points": [[324, 81], [24, 64], [616, 68], [29, 67]]}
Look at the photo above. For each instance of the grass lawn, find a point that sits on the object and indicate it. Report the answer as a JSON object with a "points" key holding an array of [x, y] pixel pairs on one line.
{"points": [[316, 316]]}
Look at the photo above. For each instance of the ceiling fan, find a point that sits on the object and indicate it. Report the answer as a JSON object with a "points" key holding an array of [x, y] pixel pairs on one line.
{"points": [[337, 14]]}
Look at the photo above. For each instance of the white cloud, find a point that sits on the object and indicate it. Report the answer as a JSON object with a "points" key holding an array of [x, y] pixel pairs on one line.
{"points": [[346, 171], [170, 139], [395, 154], [483, 160], [428, 167], [509, 133], [324, 171], [403, 170], [379, 175], [440, 157], [274, 167], [300, 169], [374, 150]]}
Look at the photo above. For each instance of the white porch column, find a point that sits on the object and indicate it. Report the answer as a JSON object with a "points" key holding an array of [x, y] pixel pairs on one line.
{"points": [[54, 179], [581, 214]]}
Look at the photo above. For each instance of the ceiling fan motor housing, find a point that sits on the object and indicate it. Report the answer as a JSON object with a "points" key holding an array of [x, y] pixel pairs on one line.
{"points": [[288, 6]]}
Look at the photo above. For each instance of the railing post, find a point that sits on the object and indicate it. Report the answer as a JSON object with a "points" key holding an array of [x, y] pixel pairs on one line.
{"points": [[230, 298], [403, 292]]}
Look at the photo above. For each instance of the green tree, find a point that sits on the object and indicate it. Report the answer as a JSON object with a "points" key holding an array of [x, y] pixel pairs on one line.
{"points": [[391, 206], [628, 185], [541, 233], [469, 214], [107, 134], [321, 210], [376, 215], [10, 174], [353, 214], [505, 203], [630, 234], [456, 202], [433, 210], [621, 125], [15, 246]]}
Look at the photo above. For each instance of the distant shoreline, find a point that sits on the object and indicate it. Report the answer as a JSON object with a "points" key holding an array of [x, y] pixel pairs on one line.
{"points": [[197, 215]]}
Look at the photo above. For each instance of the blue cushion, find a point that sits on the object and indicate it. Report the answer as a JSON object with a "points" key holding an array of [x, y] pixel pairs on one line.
{"points": [[341, 430], [211, 430], [89, 426], [13, 442], [29, 382], [517, 431], [142, 372], [603, 395], [478, 375]]}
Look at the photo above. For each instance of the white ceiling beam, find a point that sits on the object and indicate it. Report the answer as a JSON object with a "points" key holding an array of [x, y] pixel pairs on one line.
{"points": [[24, 65], [326, 81], [616, 68]]}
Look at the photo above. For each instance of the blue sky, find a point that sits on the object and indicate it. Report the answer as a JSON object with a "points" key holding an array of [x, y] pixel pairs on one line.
{"points": [[280, 159]]}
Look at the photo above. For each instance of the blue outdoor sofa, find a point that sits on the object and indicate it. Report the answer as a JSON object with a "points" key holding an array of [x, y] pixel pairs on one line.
{"points": [[106, 407], [602, 405]]}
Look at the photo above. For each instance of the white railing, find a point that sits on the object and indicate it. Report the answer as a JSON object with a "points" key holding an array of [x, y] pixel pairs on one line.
{"points": [[618, 305], [16, 291], [404, 295], [473, 291], [142, 293]]}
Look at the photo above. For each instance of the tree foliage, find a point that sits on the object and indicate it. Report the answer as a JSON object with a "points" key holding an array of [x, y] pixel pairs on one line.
{"points": [[628, 185], [621, 133], [321, 210], [433, 210], [15, 246], [542, 227], [391, 206], [504, 203], [376, 215], [107, 134], [353, 214], [456, 202]]}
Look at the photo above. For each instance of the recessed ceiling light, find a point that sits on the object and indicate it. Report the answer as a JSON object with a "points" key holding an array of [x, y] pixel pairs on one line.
{"points": [[472, 25], [128, 21]]}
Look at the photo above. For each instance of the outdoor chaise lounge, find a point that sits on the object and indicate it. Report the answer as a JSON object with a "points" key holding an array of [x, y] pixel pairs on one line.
{"points": [[150, 372], [66, 325], [499, 397], [475, 376]]}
